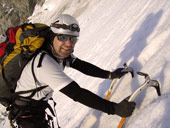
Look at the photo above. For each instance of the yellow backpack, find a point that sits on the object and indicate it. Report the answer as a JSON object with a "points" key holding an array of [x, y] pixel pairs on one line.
{"points": [[22, 43]]}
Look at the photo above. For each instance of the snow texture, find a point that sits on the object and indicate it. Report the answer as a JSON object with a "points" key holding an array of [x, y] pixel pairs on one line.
{"points": [[113, 32]]}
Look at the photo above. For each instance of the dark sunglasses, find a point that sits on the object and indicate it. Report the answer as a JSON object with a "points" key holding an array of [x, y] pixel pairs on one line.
{"points": [[72, 27], [63, 38]]}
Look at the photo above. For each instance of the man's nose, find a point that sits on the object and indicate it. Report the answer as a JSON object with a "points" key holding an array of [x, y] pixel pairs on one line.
{"points": [[68, 42]]}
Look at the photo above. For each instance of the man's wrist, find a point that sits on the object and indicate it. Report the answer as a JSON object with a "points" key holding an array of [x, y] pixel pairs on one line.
{"points": [[110, 75]]}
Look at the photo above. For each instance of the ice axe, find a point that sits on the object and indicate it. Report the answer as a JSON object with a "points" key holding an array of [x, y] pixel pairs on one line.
{"points": [[151, 83], [148, 83], [126, 69]]}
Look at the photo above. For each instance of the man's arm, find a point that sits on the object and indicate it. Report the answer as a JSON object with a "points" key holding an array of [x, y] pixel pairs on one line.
{"points": [[89, 69], [75, 92]]}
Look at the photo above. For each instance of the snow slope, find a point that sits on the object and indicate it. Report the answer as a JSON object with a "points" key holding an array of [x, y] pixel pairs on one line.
{"points": [[114, 32]]}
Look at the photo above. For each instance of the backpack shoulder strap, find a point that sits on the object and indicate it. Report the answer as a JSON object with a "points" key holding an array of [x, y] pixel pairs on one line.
{"points": [[32, 91], [42, 57]]}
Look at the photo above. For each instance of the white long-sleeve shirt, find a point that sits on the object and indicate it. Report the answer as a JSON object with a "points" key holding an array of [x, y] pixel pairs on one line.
{"points": [[50, 73]]}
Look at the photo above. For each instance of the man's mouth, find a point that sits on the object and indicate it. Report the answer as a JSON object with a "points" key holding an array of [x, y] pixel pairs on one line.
{"points": [[67, 49]]}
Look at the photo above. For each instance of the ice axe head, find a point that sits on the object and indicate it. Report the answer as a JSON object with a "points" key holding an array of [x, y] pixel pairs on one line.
{"points": [[151, 83], [128, 69], [156, 85], [144, 74]]}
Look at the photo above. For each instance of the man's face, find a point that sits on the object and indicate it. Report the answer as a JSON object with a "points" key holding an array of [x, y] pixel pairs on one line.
{"points": [[63, 48]]}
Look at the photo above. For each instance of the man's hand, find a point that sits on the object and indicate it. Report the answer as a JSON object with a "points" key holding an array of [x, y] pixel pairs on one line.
{"points": [[125, 108], [118, 73]]}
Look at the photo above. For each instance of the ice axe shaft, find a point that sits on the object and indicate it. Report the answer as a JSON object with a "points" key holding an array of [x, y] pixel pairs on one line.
{"points": [[148, 83], [110, 89], [126, 69]]}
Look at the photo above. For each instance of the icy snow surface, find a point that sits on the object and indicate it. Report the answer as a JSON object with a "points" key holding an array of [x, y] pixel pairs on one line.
{"points": [[113, 32]]}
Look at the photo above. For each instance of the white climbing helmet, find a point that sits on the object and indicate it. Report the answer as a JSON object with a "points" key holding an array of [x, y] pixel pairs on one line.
{"points": [[65, 24]]}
